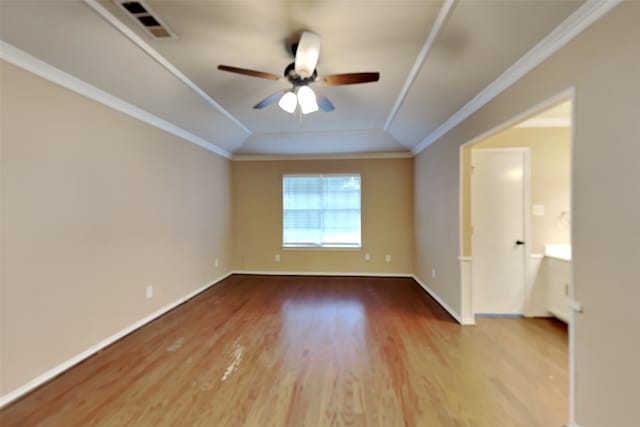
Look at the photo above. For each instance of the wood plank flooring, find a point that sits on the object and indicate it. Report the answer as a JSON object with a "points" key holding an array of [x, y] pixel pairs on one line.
{"points": [[313, 351]]}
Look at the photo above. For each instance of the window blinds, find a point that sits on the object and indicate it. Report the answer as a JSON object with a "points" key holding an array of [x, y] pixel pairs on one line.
{"points": [[321, 210]]}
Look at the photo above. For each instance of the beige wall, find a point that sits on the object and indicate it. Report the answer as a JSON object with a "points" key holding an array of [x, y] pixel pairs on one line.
{"points": [[95, 206], [550, 151], [387, 217], [603, 64]]}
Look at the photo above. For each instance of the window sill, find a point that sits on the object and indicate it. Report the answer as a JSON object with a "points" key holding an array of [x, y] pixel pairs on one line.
{"points": [[322, 248]]}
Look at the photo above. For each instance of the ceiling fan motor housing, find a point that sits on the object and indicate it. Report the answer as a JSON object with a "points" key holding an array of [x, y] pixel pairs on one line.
{"points": [[293, 77]]}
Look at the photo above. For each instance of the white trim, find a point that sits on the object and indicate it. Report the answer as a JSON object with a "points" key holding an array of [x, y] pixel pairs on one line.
{"points": [[564, 95], [137, 40], [502, 149], [433, 295], [578, 21], [50, 374], [444, 13], [465, 275], [321, 248], [320, 273], [545, 122], [439, 300], [321, 175], [572, 313], [528, 232], [350, 156], [466, 303], [321, 132], [40, 68]]}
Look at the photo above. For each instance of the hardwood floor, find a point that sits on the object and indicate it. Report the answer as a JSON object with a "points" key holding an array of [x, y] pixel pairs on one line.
{"points": [[313, 351]]}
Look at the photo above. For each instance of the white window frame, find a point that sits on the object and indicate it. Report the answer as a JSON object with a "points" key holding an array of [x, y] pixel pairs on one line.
{"points": [[332, 246]]}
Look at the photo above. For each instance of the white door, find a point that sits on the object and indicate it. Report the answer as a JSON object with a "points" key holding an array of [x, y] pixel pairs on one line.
{"points": [[498, 230]]}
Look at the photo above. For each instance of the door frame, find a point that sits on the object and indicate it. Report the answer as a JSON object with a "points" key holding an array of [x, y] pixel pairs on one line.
{"points": [[468, 318], [526, 220]]}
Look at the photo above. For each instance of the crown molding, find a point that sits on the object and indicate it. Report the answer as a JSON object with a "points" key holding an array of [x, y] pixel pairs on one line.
{"points": [[155, 55], [348, 156], [40, 68], [326, 132], [445, 11], [578, 21]]}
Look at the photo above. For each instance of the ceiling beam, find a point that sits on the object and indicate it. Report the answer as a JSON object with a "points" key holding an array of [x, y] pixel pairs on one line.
{"points": [[445, 11], [155, 55]]}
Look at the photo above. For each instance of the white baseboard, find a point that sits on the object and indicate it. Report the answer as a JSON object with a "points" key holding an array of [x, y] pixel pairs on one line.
{"points": [[468, 316], [52, 373], [433, 295], [439, 300], [321, 273], [537, 314], [468, 321]]}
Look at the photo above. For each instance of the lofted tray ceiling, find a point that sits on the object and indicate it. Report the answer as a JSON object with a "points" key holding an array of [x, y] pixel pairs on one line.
{"points": [[477, 42]]}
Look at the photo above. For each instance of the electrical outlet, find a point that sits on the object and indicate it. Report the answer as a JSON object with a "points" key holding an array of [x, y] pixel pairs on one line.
{"points": [[277, 257], [217, 263], [149, 292], [433, 273], [387, 258], [367, 257]]}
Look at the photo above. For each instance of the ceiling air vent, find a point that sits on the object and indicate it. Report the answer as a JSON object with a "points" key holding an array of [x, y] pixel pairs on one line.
{"points": [[146, 19]]}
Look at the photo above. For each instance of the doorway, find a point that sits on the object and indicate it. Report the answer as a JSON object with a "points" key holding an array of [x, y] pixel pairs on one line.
{"points": [[503, 274], [506, 246]]}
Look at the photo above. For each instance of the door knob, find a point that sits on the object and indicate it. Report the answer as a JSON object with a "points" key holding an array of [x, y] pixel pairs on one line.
{"points": [[519, 242]]}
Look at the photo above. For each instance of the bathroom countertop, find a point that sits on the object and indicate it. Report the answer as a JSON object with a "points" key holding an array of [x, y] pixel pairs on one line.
{"points": [[561, 252]]}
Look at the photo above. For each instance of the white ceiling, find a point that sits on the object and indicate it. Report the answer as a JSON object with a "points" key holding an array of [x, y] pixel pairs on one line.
{"points": [[477, 43]]}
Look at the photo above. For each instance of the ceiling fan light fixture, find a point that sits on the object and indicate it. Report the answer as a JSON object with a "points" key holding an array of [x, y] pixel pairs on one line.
{"points": [[307, 54], [288, 102], [307, 100], [300, 74]]}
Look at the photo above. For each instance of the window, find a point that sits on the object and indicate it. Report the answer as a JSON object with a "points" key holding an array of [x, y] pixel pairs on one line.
{"points": [[321, 211]]}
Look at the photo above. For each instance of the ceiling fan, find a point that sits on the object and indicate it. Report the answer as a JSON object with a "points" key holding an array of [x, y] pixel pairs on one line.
{"points": [[300, 74]]}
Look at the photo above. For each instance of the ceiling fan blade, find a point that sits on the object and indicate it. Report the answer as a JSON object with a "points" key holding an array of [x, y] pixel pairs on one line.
{"points": [[323, 102], [270, 99], [307, 54], [347, 79], [247, 72]]}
